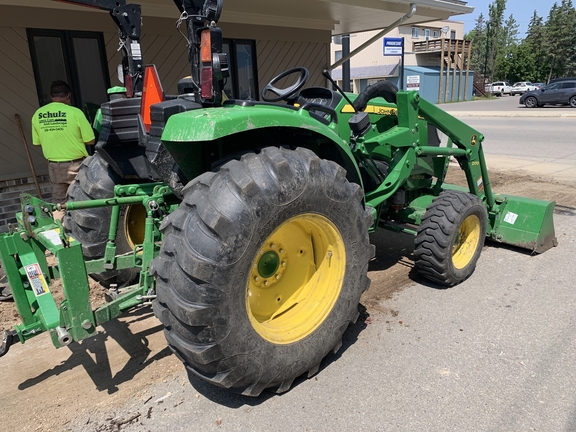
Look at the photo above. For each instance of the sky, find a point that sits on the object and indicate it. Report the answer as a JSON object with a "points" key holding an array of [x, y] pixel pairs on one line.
{"points": [[521, 9]]}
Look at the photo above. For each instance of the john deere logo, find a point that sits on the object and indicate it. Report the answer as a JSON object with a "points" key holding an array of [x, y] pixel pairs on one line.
{"points": [[474, 140]]}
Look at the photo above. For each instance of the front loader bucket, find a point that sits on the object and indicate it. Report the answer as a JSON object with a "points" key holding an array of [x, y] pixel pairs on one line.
{"points": [[524, 222]]}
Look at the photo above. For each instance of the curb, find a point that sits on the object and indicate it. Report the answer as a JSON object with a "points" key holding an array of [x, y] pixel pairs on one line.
{"points": [[511, 114]]}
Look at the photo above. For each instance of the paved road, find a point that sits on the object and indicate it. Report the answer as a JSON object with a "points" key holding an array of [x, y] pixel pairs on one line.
{"points": [[495, 353], [537, 141], [506, 106]]}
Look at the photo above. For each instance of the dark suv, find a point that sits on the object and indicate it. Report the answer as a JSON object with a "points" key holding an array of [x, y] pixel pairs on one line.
{"points": [[558, 93]]}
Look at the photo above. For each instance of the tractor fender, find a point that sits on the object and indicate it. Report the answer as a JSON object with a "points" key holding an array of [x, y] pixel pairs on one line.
{"points": [[240, 121]]}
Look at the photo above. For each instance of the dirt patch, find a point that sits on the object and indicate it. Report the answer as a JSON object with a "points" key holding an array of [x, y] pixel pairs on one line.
{"points": [[393, 267], [91, 379]]}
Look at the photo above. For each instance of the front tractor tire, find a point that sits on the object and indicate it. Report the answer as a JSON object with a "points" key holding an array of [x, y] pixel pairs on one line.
{"points": [[450, 238], [261, 269]]}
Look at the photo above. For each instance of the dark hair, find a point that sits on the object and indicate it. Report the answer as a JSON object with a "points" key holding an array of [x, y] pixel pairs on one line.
{"points": [[60, 89]]}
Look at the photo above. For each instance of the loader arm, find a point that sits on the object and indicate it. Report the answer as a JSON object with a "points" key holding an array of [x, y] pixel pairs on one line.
{"points": [[466, 138], [523, 222]]}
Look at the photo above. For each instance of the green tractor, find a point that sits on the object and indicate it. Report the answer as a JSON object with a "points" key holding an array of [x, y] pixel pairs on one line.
{"points": [[247, 227]]}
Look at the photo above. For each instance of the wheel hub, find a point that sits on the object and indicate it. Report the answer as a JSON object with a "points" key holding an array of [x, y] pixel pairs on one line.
{"points": [[296, 278], [271, 263], [268, 264], [466, 242]]}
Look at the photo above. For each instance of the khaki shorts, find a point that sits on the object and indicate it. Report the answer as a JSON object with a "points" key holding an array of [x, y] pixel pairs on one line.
{"points": [[62, 175]]}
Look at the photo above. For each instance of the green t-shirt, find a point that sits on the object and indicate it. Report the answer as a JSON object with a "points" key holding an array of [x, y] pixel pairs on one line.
{"points": [[61, 130]]}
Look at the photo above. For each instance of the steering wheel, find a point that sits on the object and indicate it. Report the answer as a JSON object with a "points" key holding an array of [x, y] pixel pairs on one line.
{"points": [[288, 93]]}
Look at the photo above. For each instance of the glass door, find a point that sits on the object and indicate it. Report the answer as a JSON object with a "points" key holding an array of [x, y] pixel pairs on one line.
{"points": [[79, 58]]}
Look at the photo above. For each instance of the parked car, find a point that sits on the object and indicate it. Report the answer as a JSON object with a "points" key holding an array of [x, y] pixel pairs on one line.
{"points": [[562, 79], [558, 93], [498, 88], [538, 85], [522, 87]]}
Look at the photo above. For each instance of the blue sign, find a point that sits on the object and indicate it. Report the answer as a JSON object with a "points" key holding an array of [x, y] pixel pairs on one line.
{"points": [[393, 46]]}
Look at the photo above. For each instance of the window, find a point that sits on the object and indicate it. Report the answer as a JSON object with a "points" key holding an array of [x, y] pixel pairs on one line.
{"points": [[569, 84], [435, 33], [77, 57], [452, 34], [243, 81], [426, 34], [415, 32], [338, 55]]}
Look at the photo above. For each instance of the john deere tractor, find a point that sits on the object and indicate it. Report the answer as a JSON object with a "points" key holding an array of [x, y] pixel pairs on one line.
{"points": [[246, 223]]}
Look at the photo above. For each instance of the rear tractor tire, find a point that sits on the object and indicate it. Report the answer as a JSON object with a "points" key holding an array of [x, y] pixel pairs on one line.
{"points": [[261, 269], [450, 238], [96, 180]]}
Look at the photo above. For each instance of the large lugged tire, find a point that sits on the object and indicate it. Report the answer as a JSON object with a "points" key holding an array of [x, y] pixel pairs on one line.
{"points": [[261, 269], [450, 238], [96, 180]]}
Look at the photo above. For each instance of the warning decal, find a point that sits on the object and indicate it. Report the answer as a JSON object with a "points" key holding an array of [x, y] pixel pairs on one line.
{"points": [[53, 237], [510, 218], [36, 278]]}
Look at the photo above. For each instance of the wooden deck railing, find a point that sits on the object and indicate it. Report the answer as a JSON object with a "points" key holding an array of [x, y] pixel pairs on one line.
{"points": [[435, 45]]}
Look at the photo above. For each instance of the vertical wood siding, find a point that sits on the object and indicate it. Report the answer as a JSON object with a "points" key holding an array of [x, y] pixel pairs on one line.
{"points": [[275, 57], [17, 96], [167, 52]]}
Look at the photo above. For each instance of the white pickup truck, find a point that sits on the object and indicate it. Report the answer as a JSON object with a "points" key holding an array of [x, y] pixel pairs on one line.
{"points": [[498, 88]]}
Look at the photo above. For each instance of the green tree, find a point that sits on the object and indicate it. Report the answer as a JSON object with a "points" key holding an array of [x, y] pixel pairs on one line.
{"points": [[548, 50], [570, 66], [533, 44], [559, 40], [522, 64], [494, 29], [478, 39], [507, 49]]}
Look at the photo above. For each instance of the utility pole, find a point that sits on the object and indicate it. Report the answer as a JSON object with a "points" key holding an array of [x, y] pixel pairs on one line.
{"points": [[346, 64], [486, 54]]}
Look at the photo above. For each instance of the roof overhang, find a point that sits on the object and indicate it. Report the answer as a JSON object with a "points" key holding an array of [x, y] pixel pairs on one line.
{"points": [[336, 16]]}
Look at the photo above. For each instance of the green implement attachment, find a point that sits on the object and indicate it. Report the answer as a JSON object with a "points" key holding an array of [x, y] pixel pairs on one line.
{"points": [[523, 222], [39, 251]]}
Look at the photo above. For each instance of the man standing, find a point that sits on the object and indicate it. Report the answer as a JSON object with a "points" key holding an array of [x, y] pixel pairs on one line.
{"points": [[63, 132]]}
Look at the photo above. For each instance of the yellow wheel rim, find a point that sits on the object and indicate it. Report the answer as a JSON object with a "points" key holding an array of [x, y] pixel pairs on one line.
{"points": [[466, 242], [135, 224], [295, 278]]}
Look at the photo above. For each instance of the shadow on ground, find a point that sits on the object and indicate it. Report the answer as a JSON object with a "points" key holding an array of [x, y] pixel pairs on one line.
{"points": [[93, 355]]}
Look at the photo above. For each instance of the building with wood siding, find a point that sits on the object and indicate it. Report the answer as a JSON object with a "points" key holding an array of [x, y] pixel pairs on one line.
{"points": [[39, 38]]}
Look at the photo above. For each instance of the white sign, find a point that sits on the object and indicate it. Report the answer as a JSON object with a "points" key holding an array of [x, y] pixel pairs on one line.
{"points": [[413, 82], [393, 46]]}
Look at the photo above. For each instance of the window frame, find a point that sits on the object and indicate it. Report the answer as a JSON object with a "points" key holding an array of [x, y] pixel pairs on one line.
{"points": [[233, 64], [415, 32], [67, 40]]}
